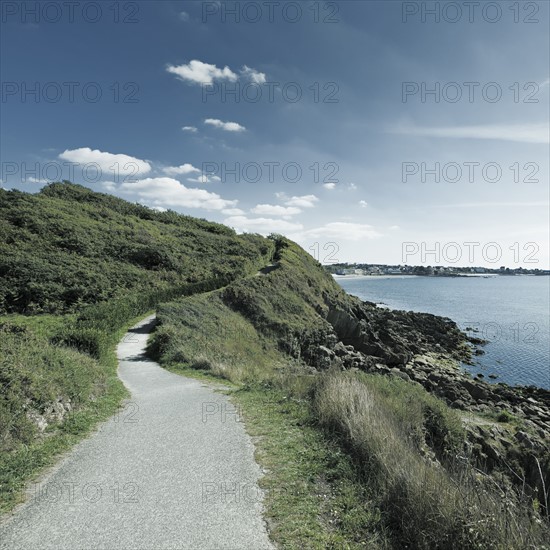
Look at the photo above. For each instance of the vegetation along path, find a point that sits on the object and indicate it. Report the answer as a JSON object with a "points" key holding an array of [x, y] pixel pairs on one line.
{"points": [[174, 469]]}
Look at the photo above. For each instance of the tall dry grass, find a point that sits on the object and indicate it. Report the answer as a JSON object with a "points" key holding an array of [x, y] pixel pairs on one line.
{"points": [[426, 502]]}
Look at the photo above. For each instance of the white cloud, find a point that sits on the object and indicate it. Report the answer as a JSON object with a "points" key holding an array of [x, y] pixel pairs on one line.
{"points": [[192, 129], [198, 72], [394, 227], [184, 16], [227, 126], [275, 210], [330, 186], [305, 201], [200, 179], [255, 76], [233, 212], [35, 180], [352, 186], [363, 204], [110, 163], [344, 231], [159, 208], [109, 186], [525, 133], [261, 225], [203, 178], [171, 193], [181, 170]]}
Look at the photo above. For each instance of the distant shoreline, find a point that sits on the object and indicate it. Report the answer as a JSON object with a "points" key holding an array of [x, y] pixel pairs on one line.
{"points": [[454, 276]]}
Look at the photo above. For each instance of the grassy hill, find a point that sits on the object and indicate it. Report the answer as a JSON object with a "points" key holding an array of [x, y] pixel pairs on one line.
{"points": [[325, 382], [76, 268], [67, 246], [349, 402]]}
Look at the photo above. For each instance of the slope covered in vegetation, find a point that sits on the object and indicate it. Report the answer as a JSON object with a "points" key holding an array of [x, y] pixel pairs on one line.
{"points": [[370, 434], [67, 246], [414, 472], [76, 268]]}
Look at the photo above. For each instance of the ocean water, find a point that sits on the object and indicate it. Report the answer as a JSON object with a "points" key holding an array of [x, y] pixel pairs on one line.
{"points": [[512, 313]]}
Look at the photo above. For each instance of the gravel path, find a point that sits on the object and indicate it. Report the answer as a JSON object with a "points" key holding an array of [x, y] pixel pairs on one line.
{"points": [[174, 470]]}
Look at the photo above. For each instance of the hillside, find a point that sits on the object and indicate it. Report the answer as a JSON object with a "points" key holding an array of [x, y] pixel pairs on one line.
{"points": [[67, 246], [76, 269], [438, 459], [363, 410]]}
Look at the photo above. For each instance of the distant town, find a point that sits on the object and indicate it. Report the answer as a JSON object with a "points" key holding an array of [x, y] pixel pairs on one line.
{"points": [[427, 271]]}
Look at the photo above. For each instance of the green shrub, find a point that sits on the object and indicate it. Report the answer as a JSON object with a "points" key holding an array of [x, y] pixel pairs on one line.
{"points": [[67, 247]]}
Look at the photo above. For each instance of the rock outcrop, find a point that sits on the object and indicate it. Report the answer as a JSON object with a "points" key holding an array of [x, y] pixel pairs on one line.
{"points": [[508, 427]]}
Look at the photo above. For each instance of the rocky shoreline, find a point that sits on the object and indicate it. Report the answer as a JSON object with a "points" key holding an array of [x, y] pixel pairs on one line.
{"points": [[508, 427]]}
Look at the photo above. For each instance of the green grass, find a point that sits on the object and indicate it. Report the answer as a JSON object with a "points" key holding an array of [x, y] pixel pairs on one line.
{"points": [[27, 456], [201, 331], [76, 269], [394, 432], [391, 458], [67, 247], [313, 498]]}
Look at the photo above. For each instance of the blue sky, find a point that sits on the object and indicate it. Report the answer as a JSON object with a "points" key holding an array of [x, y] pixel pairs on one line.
{"points": [[365, 134]]}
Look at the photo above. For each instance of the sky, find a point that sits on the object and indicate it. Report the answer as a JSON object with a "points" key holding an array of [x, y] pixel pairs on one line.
{"points": [[367, 131]]}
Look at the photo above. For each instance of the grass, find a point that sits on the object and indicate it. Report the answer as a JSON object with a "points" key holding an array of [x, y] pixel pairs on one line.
{"points": [[76, 269], [67, 247], [203, 333], [23, 458], [353, 460], [394, 434], [314, 499]]}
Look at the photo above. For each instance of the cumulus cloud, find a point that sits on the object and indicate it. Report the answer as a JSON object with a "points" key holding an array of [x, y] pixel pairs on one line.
{"points": [[253, 75], [227, 126], [330, 186], [192, 129], [363, 204], [275, 210], [170, 193], [109, 163], [233, 212], [203, 178], [197, 72], [304, 201], [265, 226], [181, 170], [345, 231], [109, 186]]}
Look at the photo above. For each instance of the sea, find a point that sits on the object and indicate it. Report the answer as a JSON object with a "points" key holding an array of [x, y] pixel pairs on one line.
{"points": [[511, 312]]}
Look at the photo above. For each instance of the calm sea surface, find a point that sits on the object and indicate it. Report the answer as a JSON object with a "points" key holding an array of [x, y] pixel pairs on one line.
{"points": [[511, 312]]}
